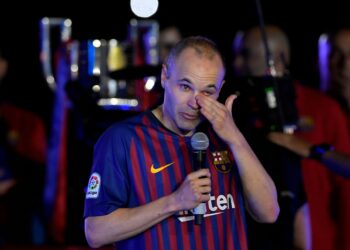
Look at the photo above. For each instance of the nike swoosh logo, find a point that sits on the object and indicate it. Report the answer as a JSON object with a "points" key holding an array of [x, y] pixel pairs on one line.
{"points": [[157, 170]]}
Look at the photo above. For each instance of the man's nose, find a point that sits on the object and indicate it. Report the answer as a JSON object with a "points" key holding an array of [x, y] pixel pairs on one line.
{"points": [[193, 102]]}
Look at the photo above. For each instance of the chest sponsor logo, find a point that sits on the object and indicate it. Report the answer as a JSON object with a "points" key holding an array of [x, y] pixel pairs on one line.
{"points": [[93, 186], [215, 206]]}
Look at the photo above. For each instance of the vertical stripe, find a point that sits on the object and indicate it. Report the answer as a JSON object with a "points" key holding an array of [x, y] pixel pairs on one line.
{"points": [[218, 220], [161, 143], [204, 233], [142, 196], [237, 228], [240, 218], [155, 151], [236, 189], [175, 148], [187, 161], [227, 220], [219, 190], [198, 239], [171, 146], [209, 227], [151, 186]]}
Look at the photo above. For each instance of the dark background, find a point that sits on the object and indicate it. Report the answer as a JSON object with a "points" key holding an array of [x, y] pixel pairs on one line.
{"points": [[220, 20]]}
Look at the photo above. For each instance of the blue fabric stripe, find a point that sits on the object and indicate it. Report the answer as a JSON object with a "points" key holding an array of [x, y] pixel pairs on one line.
{"points": [[239, 189], [160, 192], [204, 235], [191, 223], [171, 172], [141, 160]]}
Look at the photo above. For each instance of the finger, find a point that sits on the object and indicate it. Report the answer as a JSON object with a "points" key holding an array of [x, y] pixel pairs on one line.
{"points": [[205, 190], [210, 108], [204, 198], [202, 182], [229, 101], [205, 102], [199, 173]]}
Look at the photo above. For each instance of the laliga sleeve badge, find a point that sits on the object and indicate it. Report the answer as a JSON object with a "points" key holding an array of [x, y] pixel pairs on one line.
{"points": [[221, 161], [93, 186]]}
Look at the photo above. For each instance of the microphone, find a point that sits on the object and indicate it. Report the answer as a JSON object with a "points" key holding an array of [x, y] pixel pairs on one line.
{"points": [[199, 143]]}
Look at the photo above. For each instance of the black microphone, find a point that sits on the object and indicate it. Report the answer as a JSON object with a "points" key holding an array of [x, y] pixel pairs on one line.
{"points": [[199, 143]]}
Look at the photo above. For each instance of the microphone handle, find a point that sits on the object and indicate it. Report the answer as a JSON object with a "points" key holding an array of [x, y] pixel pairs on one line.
{"points": [[198, 159], [200, 210]]}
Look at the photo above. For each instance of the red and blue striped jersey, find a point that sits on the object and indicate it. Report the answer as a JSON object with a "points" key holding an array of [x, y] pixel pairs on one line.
{"points": [[138, 161]]}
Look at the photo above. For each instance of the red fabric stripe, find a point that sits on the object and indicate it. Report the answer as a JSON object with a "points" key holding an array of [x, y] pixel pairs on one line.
{"points": [[179, 178], [136, 172], [239, 218], [151, 179], [217, 192], [165, 177], [189, 169], [237, 211], [231, 244], [139, 188]]}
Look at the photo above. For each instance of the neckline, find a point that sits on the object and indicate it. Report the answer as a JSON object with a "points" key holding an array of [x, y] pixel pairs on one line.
{"points": [[160, 124]]}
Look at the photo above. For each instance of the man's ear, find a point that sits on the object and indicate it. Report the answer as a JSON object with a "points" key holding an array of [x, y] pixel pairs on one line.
{"points": [[222, 84], [164, 74]]}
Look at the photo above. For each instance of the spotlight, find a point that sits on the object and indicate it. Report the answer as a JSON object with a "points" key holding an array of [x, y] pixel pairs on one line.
{"points": [[144, 8]]}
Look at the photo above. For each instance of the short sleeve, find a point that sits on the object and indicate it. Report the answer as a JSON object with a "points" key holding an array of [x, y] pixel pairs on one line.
{"points": [[108, 185]]}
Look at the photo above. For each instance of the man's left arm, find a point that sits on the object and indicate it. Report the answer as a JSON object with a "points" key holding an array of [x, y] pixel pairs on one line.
{"points": [[259, 189]]}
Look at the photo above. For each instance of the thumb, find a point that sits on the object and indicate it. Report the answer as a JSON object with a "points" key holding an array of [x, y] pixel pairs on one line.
{"points": [[229, 102]]}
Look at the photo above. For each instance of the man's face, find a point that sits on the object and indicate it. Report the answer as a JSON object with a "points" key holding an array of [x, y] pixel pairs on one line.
{"points": [[191, 75], [340, 58]]}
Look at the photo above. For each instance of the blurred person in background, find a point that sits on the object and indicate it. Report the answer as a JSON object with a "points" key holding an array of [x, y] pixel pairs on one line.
{"points": [[322, 127], [22, 157]]}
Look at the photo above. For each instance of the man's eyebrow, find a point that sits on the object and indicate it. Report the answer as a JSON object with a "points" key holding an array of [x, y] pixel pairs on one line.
{"points": [[185, 80], [210, 85]]}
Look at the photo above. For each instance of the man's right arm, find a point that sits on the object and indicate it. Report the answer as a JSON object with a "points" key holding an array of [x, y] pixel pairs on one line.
{"points": [[127, 222]]}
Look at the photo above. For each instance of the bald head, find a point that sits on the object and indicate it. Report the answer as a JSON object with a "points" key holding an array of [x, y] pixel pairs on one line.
{"points": [[251, 55]]}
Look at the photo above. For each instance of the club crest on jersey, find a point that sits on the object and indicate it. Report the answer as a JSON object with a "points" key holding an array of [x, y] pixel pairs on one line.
{"points": [[93, 186], [221, 161]]}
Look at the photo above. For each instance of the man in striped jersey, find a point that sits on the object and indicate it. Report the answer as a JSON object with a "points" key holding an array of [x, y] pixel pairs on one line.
{"points": [[143, 186]]}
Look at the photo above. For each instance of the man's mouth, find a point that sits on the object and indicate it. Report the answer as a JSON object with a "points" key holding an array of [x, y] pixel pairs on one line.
{"points": [[190, 116]]}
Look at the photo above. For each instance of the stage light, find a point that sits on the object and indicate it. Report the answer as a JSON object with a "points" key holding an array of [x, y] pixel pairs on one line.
{"points": [[144, 8]]}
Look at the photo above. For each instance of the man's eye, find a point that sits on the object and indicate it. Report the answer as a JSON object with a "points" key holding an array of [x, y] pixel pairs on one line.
{"points": [[208, 93], [184, 87]]}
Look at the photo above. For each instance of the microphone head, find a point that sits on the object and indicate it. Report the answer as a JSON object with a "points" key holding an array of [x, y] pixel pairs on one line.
{"points": [[199, 141]]}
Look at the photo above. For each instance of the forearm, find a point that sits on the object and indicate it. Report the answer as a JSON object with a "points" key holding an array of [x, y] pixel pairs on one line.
{"points": [[333, 160], [259, 189], [127, 222]]}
